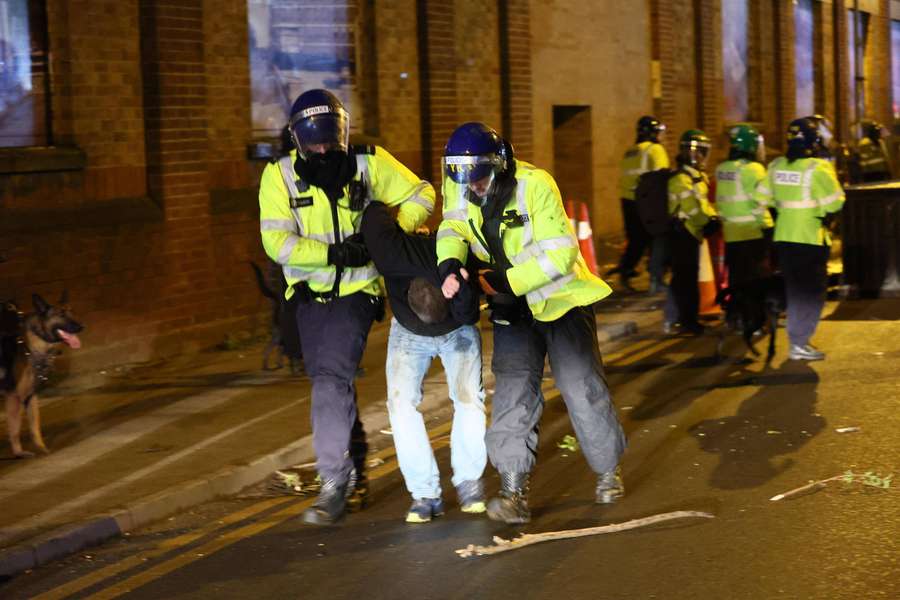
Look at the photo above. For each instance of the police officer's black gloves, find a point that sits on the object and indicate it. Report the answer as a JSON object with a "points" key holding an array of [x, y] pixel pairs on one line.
{"points": [[494, 282], [349, 253], [712, 226]]}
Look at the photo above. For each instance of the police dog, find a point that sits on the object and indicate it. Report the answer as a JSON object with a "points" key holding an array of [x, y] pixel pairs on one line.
{"points": [[752, 306], [28, 353]]}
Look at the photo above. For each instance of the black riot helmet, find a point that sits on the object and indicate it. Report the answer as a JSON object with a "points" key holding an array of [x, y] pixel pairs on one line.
{"points": [[649, 128]]}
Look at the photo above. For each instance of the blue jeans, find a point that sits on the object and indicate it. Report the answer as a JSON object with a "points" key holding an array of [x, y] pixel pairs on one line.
{"points": [[409, 357]]}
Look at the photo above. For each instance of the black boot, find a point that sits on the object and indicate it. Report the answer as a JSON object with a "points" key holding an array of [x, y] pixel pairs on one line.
{"points": [[511, 506], [357, 491], [330, 506]]}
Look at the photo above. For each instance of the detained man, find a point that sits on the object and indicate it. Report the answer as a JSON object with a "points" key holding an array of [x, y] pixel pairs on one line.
{"points": [[425, 325]]}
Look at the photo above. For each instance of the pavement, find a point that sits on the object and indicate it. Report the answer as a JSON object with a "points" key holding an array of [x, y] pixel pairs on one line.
{"points": [[137, 443]]}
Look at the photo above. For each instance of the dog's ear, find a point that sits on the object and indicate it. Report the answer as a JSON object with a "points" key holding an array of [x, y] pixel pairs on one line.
{"points": [[64, 297], [40, 304]]}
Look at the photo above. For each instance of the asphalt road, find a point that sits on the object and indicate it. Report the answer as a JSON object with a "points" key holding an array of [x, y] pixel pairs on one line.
{"points": [[706, 433]]}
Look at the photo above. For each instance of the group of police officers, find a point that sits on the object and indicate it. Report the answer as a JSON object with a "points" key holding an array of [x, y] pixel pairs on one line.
{"points": [[506, 216]]}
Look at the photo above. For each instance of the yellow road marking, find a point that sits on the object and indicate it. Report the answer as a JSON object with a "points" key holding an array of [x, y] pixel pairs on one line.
{"points": [[438, 437], [658, 346], [163, 547], [628, 350]]}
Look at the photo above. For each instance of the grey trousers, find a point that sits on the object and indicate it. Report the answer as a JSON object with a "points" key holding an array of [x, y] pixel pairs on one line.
{"points": [[333, 336], [518, 365], [805, 270]]}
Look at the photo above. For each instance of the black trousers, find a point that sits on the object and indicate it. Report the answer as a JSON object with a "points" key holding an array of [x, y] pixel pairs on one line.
{"points": [[685, 250], [333, 337], [518, 365], [805, 270], [637, 237], [748, 261]]}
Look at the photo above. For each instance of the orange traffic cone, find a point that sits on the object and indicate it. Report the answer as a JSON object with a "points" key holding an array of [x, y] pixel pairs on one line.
{"points": [[586, 238], [706, 282]]}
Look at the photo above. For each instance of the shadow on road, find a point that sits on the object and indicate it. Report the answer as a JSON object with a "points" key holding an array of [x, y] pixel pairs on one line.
{"points": [[776, 421]]}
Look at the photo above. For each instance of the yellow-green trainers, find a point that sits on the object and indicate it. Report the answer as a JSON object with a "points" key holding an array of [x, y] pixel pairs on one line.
{"points": [[471, 496], [424, 509]]}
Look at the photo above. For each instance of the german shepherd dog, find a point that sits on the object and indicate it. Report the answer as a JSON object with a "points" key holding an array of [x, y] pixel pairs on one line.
{"points": [[284, 337], [751, 306], [28, 348]]}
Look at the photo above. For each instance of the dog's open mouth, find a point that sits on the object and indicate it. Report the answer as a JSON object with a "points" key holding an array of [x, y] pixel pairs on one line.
{"points": [[69, 338]]}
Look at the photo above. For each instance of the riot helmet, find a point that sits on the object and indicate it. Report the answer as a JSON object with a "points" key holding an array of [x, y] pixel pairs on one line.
{"points": [[825, 132], [319, 123], [649, 129], [474, 155], [873, 130], [746, 142], [693, 148], [803, 139]]}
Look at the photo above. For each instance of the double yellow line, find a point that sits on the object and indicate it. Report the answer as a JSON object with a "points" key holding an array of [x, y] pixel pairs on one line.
{"points": [[291, 509]]}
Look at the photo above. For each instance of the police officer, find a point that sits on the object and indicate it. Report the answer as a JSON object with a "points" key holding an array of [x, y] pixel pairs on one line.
{"points": [[806, 194], [311, 204], [694, 217], [647, 154], [744, 220], [510, 214], [872, 152]]}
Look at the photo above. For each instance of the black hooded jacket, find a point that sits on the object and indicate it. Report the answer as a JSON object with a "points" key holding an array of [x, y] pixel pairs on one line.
{"points": [[401, 257]]}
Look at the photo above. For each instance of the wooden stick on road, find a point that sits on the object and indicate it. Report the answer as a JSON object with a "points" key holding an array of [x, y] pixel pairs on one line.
{"points": [[528, 539]]}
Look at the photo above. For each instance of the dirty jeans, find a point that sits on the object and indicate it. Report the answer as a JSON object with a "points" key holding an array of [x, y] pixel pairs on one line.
{"points": [[409, 357], [518, 365]]}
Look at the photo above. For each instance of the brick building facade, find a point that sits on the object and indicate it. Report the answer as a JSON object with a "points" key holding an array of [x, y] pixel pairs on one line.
{"points": [[144, 207]]}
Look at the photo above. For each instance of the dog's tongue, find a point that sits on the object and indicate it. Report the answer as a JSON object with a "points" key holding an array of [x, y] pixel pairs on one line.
{"points": [[69, 338]]}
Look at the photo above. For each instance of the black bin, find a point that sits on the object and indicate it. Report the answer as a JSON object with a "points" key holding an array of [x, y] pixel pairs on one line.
{"points": [[871, 239]]}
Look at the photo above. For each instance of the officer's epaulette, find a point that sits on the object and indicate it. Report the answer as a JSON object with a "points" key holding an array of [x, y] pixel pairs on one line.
{"points": [[362, 149]]}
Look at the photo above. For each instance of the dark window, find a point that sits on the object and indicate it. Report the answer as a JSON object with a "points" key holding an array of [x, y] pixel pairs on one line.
{"points": [[297, 45], [24, 97]]}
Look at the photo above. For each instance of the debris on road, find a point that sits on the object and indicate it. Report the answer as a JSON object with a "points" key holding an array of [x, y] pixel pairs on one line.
{"points": [[502, 545], [569, 442], [868, 478], [848, 429]]}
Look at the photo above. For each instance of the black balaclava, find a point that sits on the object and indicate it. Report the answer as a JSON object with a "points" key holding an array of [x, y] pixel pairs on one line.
{"points": [[330, 171]]}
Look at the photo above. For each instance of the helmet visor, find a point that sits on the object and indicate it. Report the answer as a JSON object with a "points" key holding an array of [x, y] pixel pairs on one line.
{"points": [[319, 129], [467, 169]]}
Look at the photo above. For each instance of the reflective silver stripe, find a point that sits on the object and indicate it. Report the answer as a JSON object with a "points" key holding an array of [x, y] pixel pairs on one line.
{"points": [[455, 215], [635, 171], [528, 227], [685, 194], [872, 161], [284, 253], [741, 219], [548, 267], [544, 292], [645, 155], [318, 276], [541, 246], [806, 182], [362, 167], [445, 233], [691, 212], [764, 190], [357, 274], [287, 174], [277, 225], [417, 198], [829, 199], [797, 204]]}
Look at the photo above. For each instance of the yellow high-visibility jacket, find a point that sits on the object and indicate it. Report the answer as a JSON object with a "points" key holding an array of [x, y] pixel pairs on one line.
{"points": [[537, 237], [297, 224]]}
